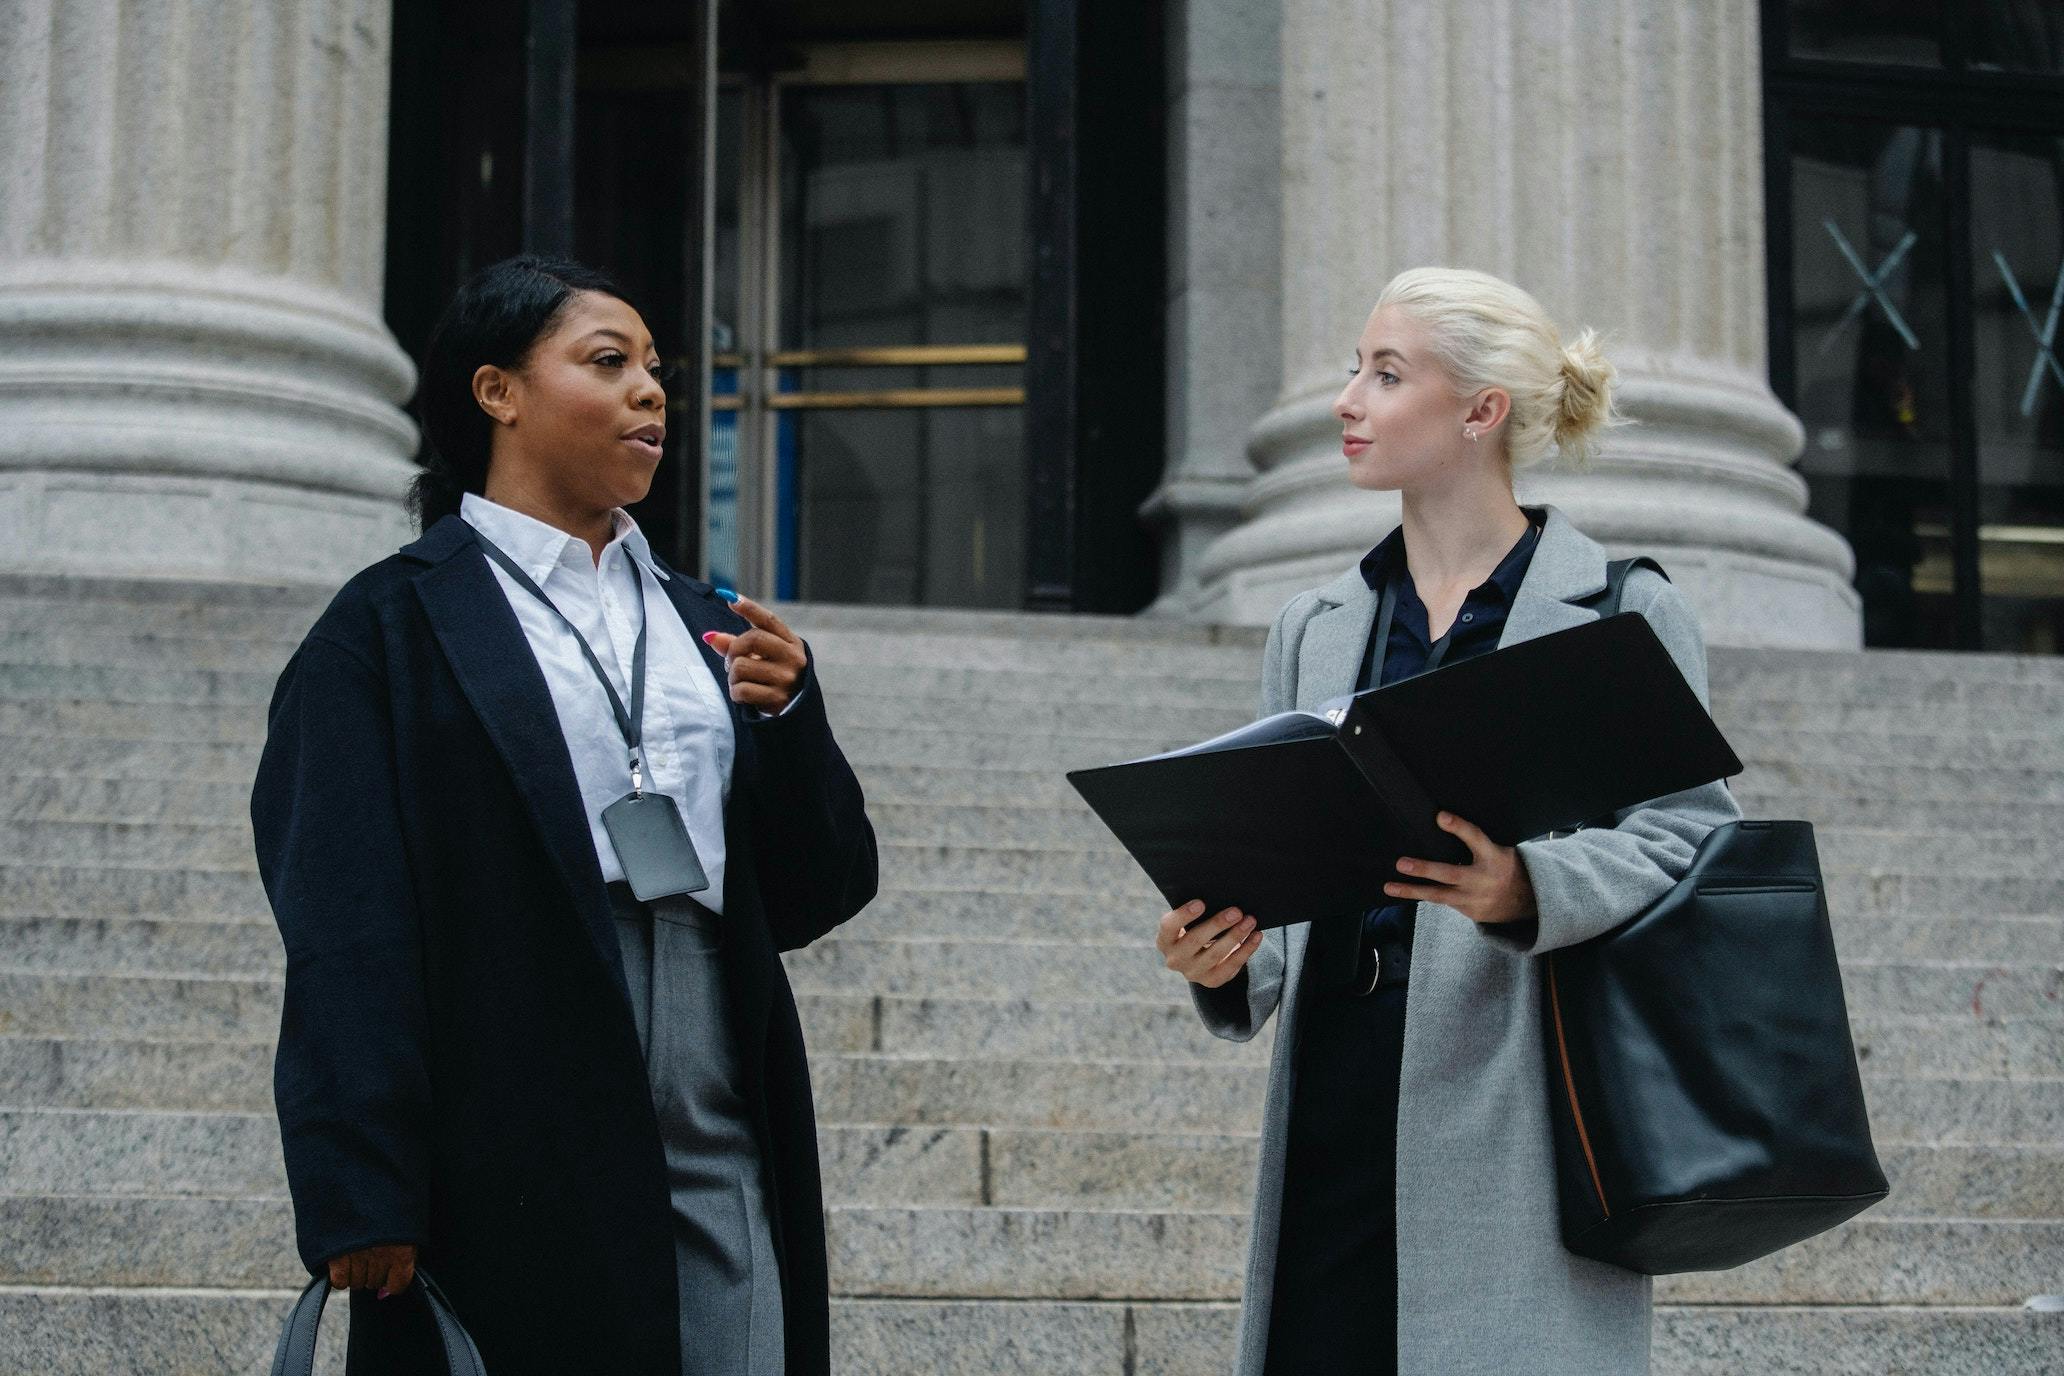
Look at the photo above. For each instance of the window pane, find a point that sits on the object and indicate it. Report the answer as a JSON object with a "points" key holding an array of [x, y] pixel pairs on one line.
{"points": [[2018, 277], [2017, 35], [908, 507], [1906, 32], [903, 215], [902, 222], [1869, 352]]}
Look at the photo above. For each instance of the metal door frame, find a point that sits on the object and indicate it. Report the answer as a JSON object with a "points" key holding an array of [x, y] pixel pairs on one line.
{"points": [[758, 355]]}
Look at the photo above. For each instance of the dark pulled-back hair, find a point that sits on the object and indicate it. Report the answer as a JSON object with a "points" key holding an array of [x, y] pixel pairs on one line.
{"points": [[497, 317]]}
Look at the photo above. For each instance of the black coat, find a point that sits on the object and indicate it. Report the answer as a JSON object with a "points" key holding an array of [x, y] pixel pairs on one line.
{"points": [[458, 1066]]}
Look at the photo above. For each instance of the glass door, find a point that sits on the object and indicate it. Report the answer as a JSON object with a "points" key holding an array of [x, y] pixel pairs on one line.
{"points": [[2017, 247], [866, 438], [1917, 254]]}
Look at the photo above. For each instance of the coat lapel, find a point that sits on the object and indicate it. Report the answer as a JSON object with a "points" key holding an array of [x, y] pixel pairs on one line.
{"points": [[499, 675], [1567, 569], [1330, 655]]}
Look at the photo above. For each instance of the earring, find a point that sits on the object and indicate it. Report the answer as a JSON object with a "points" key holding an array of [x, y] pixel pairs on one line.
{"points": [[1470, 432]]}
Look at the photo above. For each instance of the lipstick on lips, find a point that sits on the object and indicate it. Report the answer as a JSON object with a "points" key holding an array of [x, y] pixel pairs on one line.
{"points": [[647, 437]]}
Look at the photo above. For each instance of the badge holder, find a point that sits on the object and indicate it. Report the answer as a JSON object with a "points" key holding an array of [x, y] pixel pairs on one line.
{"points": [[652, 844], [651, 841]]}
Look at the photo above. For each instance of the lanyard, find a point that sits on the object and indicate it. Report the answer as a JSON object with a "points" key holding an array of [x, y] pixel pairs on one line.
{"points": [[1385, 608], [630, 721]]}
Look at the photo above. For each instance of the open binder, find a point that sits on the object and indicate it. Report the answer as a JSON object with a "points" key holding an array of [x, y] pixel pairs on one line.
{"points": [[1305, 814]]}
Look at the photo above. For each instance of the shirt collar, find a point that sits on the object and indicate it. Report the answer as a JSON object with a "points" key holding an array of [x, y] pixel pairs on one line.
{"points": [[1389, 554], [539, 548]]}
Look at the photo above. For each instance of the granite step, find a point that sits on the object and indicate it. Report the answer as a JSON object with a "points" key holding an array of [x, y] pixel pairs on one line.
{"points": [[205, 634], [1004, 738], [965, 846], [1773, 786], [141, 648], [1872, 915], [937, 1087], [1234, 680], [209, 611], [913, 924], [1129, 1254], [163, 1153], [1888, 1340], [80, 1330], [981, 998], [1758, 747], [139, 758], [957, 1252], [1225, 1095], [1151, 705], [140, 945], [87, 1331], [1030, 804], [915, 914], [1071, 823], [94, 891], [1003, 881], [111, 797]]}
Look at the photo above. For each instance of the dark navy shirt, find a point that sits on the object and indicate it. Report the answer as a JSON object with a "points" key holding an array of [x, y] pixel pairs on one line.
{"points": [[1475, 631]]}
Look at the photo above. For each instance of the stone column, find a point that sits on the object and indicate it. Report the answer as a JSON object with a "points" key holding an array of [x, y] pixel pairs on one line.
{"points": [[194, 376], [1607, 156], [1225, 253]]}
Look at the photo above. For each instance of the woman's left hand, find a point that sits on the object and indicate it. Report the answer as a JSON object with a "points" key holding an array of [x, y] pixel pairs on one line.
{"points": [[1492, 888], [765, 664]]}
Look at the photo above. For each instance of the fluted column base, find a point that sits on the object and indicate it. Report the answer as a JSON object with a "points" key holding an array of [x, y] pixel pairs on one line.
{"points": [[1701, 483], [170, 420]]}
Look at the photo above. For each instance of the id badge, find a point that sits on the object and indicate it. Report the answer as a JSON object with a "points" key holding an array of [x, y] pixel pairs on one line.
{"points": [[652, 845]]}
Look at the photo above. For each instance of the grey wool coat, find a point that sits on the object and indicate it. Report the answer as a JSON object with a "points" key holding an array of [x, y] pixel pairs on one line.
{"points": [[1484, 1284]]}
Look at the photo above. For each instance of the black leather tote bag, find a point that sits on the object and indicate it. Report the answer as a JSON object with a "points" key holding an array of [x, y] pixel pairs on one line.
{"points": [[295, 1355], [1703, 1085]]}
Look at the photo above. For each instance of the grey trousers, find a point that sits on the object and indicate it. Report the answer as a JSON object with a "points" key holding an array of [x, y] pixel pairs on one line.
{"points": [[730, 1282]]}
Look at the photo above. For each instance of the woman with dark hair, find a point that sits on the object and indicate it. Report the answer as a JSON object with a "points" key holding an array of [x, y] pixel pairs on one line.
{"points": [[536, 814]]}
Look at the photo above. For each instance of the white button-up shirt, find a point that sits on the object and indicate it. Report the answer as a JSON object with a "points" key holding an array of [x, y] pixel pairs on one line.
{"points": [[688, 742]]}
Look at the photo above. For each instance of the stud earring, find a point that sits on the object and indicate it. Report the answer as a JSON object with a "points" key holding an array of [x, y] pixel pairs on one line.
{"points": [[1466, 430]]}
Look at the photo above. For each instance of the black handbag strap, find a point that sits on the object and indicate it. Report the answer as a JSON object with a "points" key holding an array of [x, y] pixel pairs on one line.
{"points": [[1616, 582], [1616, 572], [295, 1355]]}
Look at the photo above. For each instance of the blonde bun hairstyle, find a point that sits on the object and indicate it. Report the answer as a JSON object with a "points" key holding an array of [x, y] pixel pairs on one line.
{"points": [[1488, 333]]}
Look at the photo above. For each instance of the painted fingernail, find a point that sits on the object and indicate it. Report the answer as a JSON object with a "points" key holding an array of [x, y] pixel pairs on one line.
{"points": [[727, 594], [384, 1292], [710, 637]]}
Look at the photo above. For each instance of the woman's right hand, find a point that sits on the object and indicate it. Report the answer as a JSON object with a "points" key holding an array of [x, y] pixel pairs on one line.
{"points": [[1207, 950], [388, 1269]]}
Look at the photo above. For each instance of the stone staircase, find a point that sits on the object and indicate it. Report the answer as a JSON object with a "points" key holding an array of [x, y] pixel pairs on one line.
{"points": [[1035, 1160]]}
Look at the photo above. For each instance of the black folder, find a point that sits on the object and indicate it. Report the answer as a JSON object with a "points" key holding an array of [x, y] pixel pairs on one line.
{"points": [[1305, 814]]}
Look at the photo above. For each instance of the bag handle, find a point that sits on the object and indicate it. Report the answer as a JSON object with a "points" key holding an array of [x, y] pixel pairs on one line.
{"points": [[1616, 573], [295, 1355]]}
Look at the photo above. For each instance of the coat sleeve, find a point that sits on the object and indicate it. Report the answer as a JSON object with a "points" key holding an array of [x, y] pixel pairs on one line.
{"points": [[1591, 881], [814, 848], [1237, 1009], [349, 1077]]}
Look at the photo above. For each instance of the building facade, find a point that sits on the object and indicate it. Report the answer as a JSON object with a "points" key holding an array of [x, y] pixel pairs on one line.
{"points": [[1034, 304]]}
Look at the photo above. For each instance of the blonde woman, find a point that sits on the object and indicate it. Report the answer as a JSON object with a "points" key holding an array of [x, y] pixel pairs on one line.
{"points": [[1405, 1214]]}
